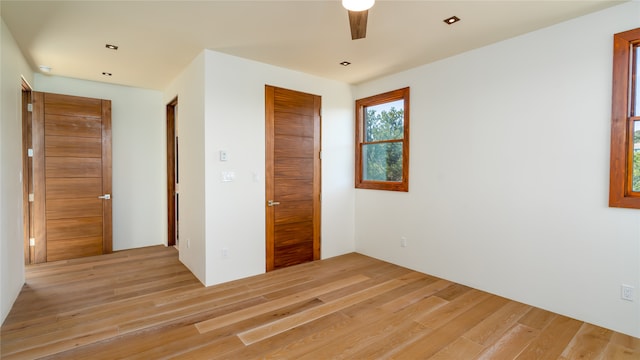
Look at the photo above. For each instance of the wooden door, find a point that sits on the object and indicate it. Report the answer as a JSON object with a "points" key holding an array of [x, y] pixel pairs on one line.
{"points": [[72, 176], [292, 177], [172, 174]]}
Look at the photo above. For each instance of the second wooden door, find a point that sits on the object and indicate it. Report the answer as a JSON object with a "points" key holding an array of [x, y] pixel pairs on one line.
{"points": [[72, 176], [292, 177]]}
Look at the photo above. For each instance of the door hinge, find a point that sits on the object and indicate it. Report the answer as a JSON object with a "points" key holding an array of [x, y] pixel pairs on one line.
{"points": [[32, 242], [31, 198], [30, 152], [320, 155], [30, 107]]}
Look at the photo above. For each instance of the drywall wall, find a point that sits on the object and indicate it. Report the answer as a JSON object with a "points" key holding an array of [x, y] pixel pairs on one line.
{"points": [[139, 151], [189, 88], [227, 112], [13, 67], [509, 174], [235, 123]]}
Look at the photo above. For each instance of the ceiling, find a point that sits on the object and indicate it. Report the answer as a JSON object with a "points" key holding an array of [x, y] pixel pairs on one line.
{"points": [[158, 39]]}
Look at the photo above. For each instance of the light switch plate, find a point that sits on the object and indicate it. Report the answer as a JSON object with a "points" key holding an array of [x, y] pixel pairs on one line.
{"points": [[228, 176]]}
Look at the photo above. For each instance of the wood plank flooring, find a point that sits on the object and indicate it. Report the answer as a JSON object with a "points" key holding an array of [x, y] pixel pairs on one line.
{"points": [[144, 304]]}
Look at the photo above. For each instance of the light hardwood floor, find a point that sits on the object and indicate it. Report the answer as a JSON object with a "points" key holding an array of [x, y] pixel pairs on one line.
{"points": [[144, 304]]}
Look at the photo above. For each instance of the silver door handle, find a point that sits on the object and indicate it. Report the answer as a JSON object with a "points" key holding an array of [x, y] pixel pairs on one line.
{"points": [[105, 196], [272, 203]]}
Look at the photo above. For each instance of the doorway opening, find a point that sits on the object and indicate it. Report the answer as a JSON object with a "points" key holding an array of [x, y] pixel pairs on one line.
{"points": [[173, 194], [67, 176], [27, 173]]}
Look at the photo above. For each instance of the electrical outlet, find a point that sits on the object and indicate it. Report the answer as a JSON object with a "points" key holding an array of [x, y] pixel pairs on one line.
{"points": [[626, 292], [403, 242], [225, 253], [188, 243]]}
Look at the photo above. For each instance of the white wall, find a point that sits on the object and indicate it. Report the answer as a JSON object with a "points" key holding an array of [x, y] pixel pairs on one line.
{"points": [[189, 88], [139, 157], [12, 67], [509, 174], [232, 119], [235, 122]]}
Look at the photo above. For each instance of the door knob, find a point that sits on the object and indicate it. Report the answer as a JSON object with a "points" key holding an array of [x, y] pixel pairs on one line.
{"points": [[272, 203], [105, 196]]}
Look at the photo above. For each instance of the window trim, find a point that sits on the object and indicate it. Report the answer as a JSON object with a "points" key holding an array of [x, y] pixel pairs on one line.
{"points": [[400, 94], [621, 164]]}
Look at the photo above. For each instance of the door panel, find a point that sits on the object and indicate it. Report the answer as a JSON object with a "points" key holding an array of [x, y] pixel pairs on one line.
{"points": [[73, 188], [287, 146], [293, 168], [294, 124], [292, 177], [294, 233], [72, 168], [74, 248], [71, 208], [289, 255], [293, 211], [73, 146], [290, 190], [289, 101], [80, 126], [76, 106], [74, 228]]}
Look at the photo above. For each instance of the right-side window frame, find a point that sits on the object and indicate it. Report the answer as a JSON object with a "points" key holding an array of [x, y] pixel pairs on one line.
{"points": [[388, 147], [624, 185]]}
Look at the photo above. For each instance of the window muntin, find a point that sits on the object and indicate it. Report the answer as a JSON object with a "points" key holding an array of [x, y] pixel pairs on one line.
{"points": [[382, 141], [624, 186]]}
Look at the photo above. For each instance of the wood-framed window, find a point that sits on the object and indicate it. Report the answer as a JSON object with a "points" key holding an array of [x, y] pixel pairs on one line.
{"points": [[382, 141], [624, 186]]}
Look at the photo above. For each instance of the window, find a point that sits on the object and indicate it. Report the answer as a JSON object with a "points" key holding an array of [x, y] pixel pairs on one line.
{"points": [[382, 141], [624, 186]]}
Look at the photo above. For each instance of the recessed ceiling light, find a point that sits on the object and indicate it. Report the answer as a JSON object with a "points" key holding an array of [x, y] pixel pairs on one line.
{"points": [[44, 68], [451, 20], [345, 63], [107, 73], [111, 47]]}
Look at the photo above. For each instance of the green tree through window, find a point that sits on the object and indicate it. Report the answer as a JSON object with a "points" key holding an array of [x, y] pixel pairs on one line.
{"points": [[382, 148], [383, 160]]}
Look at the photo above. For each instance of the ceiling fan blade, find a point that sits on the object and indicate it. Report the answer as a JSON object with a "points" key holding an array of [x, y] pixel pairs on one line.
{"points": [[358, 22]]}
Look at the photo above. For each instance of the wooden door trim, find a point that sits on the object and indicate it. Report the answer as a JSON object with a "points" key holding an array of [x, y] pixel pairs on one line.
{"points": [[39, 194], [269, 174], [107, 216], [317, 182], [171, 172], [27, 186]]}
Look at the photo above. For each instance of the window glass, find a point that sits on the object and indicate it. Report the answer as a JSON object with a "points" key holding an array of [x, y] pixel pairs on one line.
{"points": [[384, 121], [382, 162]]}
